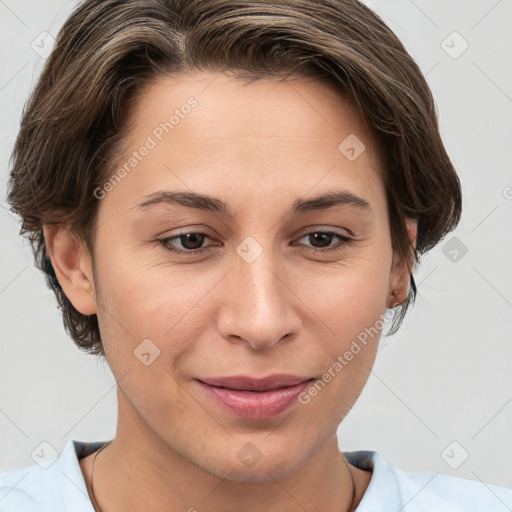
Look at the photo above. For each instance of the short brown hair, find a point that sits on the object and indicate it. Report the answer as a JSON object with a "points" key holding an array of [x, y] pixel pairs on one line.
{"points": [[72, 124]]}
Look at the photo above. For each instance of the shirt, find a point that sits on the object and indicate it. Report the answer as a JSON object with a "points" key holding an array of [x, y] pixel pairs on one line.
{"points": [[58, 485]]}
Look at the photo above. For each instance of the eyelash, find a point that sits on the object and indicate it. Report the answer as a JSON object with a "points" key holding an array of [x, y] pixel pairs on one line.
{"points": [[344, 240]]}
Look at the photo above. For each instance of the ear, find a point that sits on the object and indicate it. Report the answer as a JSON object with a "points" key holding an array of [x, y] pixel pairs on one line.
{"points": [[399, 278], [73, 266]]}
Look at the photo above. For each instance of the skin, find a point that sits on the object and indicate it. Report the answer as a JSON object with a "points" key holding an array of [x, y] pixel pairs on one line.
{"points": [[258, 147]]}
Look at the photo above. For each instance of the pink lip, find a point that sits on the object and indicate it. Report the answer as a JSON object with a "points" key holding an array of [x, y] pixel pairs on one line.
{"points": [[255, 399]]}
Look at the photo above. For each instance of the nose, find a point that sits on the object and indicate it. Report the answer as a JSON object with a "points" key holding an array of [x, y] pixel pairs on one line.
{"points": [[260, 307]]}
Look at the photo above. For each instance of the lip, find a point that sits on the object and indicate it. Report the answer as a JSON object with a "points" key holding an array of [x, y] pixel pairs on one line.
{"points": [[255, 399], [245, 383]]}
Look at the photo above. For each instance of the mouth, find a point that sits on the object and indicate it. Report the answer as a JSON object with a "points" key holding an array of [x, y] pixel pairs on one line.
{"points": [[255, 399]]}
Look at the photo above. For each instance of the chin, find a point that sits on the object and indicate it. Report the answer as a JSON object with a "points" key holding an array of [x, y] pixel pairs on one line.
{"points": [[262, 468], [261, 472]]}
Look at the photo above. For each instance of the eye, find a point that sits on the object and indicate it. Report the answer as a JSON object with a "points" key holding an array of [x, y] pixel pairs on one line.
{"points": [[191, 243], [323, 239]]}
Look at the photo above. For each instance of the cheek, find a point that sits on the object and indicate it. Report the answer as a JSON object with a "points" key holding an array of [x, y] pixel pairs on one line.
{"points": [[158, 310], [346, 355], [351, 307], [350, 295], [146, 295]]}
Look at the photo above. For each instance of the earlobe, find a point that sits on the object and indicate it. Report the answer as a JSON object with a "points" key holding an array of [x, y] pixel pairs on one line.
{"points": [[400, 276], [72, 264], [393, 299]]}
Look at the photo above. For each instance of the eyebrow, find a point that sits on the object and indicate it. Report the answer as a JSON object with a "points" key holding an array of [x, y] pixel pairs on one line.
{"points": [[212, 204]]}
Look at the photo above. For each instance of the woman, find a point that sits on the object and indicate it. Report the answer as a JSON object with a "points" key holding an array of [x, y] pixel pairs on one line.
{"points": [[228, 198]]}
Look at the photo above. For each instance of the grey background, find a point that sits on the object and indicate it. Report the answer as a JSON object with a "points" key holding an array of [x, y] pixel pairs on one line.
{"points": [[444, 378]]}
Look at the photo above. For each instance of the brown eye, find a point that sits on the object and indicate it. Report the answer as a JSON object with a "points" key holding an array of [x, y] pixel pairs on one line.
{"points": [[190, 243], [192, 240], [321, 240]]}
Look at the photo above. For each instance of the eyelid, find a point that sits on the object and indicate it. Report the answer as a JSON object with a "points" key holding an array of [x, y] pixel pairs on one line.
{"points": [[338, 231]]}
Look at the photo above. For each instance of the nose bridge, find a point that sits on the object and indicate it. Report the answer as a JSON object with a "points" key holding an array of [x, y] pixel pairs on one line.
{"points": [[263, 286], [261, 309]]}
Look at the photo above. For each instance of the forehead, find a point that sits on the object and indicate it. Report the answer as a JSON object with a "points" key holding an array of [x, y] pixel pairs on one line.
{"points": [[274, 105], [213, 133]]}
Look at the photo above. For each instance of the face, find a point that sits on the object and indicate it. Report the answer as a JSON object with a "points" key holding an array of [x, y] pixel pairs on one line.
{"points": [[260, 277]]}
